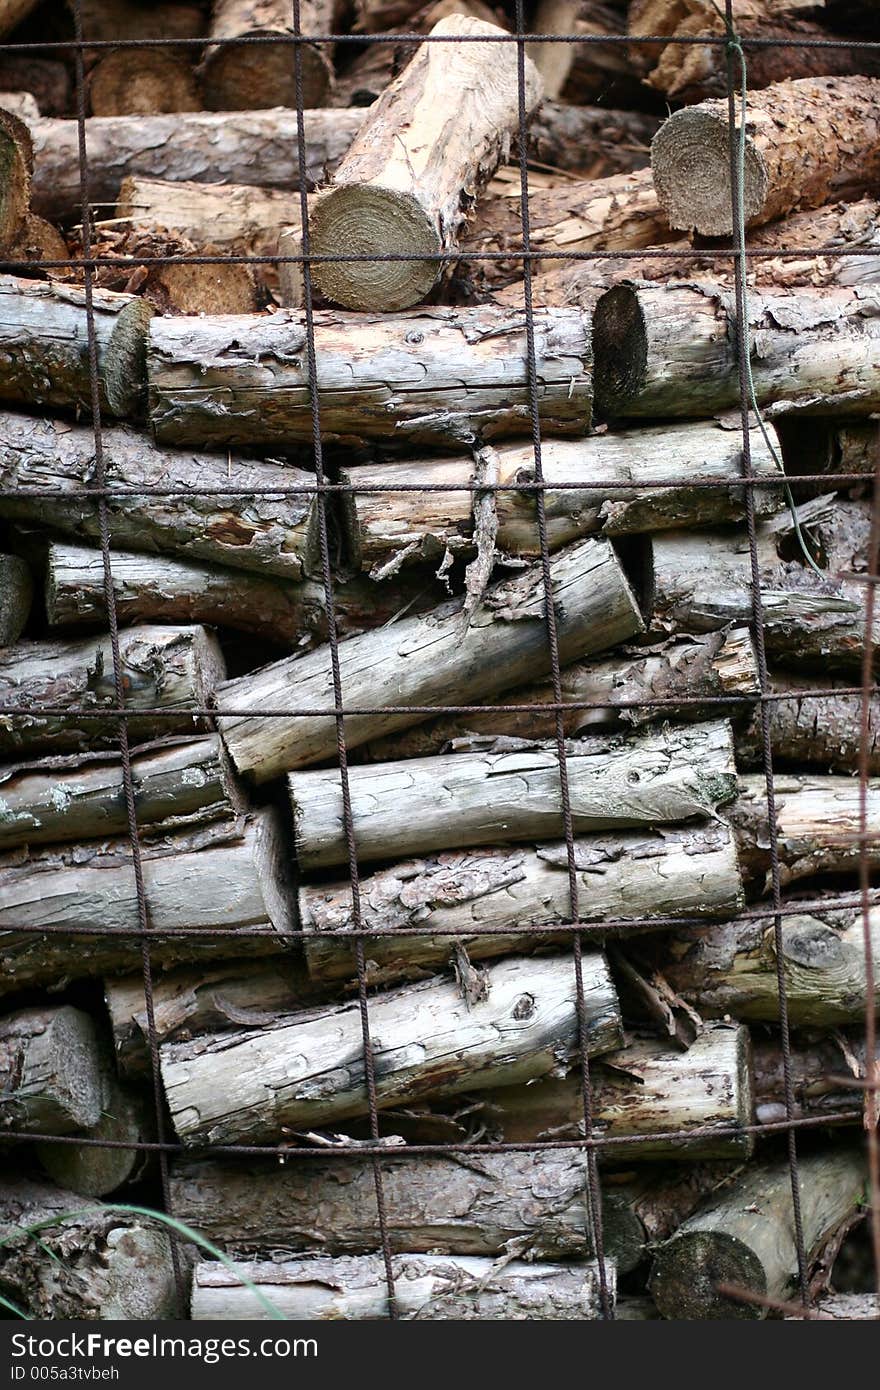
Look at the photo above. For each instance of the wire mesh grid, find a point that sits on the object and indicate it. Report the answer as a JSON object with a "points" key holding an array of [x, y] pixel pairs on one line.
{"points": [[99, 492]]}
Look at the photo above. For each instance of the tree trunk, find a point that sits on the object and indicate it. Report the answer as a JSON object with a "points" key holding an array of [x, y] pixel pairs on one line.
{"points": [[175, 668], [819, 1072], [823, 732], [702, 581], [427, 1288], [428, 145], [187, 1003], [813, 141], [176, 784], [94, 1171], [16, 167], [504, 640], [612, 483], [242, 528], [745, 1236], [428, 1039], [143, 82], [233, 73], [731, 968], [721, 664], [199, 881], [433, 376], [44, 337], [585, 73], [47, 80], [16, 596], [472, 897], [100, 1265], [818, 824], [688, 72], [425, 805], [671, 350], [12, 12], [50, 1071]]}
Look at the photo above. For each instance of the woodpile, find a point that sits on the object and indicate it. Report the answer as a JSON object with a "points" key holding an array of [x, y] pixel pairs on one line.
{"points": [[439, 745]]}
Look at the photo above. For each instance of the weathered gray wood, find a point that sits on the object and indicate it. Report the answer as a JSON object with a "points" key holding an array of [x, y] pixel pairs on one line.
{"points": [[16, 596], [268, 533], [16, 163], [671, 350], [425, 805], [745, 1236], [233, 74], [93, 1171], [827, 1077], [102, 1265], [173, 668], [201, 880], [610, 483], [44, 346], [420, 660], [818, 820], [176, 784], [427, 1288], [475, 895], [823, 732], [731, 968], [428, 1038], [50, 1071], [430, 376]]}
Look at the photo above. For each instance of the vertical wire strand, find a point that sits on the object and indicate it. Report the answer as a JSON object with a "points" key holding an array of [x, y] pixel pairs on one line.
{"points": [[100, 475], [594, 1191], [333, 638]]}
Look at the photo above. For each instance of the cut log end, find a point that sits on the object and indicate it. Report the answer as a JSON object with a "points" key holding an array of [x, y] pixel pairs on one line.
{"points": [[685, 1284], [16, 159], [16, 597], [233, 74], [690, 161], [357, 219], [142, 82], [125, 368], [91, 1170], [620, 347]]}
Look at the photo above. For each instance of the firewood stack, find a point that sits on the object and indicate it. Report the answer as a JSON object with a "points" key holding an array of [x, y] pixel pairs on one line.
{"points": [[697, 622]]}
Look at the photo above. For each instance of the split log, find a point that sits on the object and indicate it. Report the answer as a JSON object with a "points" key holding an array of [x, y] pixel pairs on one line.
{"points": [[819, 1071], [432, 376], [240, 218], [233, 72], [142, 82], [12, 12], [47, 80], [731, 968], [671, 350], [427, 1288], [175, 668], [425, 805], [691, 72], [96, 1265], [745, 1236], [405, 184], [94, 1171], [720, 664], [51, 1078], [612, 483], [812, 141], [16, 596], [44, 346], [818, 826], [474, 896], [821, 731], [201, 881], [504, 639], [586, 72], [176, 784], [244, 529], [16, 168], [427, 1039], [229, 996]]}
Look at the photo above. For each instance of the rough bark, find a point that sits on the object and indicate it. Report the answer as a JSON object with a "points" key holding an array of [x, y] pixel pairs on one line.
{"points": [[819, 1072], [818, 824], [51, 1078], [176, 784], [43, 346], [474, 896], [196, 881], [175, 668], [100, 1266], [265, 533], [585, 72], [808, 142], [16, 167], [731, 969], [612, 483], [671, 350], [229, 996], [233, 73], [848, 1307], [16, 596], [93, 1171], [432, 376], [428, 1039], [427, 1288], [143, 82], [720, 664], [12, 12], [745, 1236], [822, 731], [504, 640], [47, 80], [427, 147], [425, 805]]}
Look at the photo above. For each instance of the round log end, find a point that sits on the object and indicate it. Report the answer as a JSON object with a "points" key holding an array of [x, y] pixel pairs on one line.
{"points": [[142, 82], [357, 219], [125, 364], [77, 1065], [620, 350], [16, 596], [91, 1170], [16, 166], [37, 241], [688, 1270], [233, 73], [690, 162]]}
